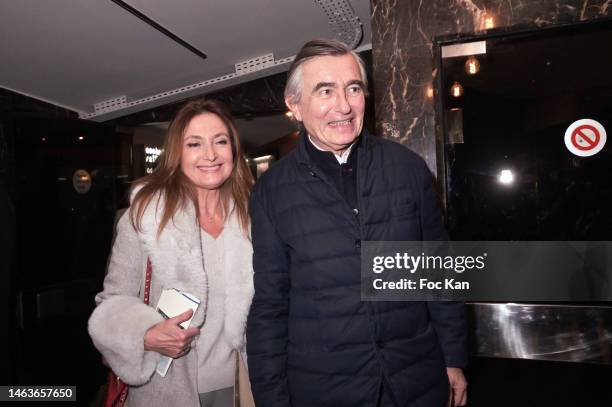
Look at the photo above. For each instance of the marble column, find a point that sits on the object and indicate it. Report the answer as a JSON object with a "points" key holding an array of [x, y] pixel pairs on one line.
{"points": [[403, 34]]}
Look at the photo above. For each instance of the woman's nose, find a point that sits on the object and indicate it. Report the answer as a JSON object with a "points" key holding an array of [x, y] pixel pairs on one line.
{"points": [[210, 153]]}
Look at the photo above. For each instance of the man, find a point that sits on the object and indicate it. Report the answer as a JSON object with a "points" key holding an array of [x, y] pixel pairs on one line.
{"points": [[311, 341]]}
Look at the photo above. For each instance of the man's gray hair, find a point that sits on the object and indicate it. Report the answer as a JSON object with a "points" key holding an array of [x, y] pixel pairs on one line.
{"points": [[317, 48]]}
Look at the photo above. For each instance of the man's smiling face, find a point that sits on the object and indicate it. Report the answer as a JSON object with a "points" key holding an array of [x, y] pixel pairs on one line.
{"points": [[332, 102]]}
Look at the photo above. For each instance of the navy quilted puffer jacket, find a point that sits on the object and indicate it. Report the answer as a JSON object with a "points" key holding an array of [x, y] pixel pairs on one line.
{"points": [[311, 341]]}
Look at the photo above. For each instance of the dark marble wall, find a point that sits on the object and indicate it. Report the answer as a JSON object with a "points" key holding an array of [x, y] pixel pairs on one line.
{"points": [[14, 106], [403, 54]]}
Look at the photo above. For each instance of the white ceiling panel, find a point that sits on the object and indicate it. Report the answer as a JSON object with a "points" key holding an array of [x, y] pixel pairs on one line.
{"points": [[76, 53], [84, 54]]}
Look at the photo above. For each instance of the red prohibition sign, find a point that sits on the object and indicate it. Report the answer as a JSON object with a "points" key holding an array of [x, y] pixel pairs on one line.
{"points": [[591, 142]]}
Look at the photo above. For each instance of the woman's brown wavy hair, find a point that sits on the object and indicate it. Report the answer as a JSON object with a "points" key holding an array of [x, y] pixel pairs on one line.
{"points": [[168, 181]]}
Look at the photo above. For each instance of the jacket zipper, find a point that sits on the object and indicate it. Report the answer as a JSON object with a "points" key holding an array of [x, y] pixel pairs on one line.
{"points": [[368, 306]]}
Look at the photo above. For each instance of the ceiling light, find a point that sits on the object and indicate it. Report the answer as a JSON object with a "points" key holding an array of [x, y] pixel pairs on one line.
{"points": [[456, 90], [472, 66], [506, 177]]}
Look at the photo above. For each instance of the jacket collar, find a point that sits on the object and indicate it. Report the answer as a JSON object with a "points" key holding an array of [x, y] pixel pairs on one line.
{"points": [[363, 145], [177, 260]]}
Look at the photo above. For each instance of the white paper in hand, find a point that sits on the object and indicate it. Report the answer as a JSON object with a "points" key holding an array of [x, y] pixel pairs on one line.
{"points": [[173, 302]]}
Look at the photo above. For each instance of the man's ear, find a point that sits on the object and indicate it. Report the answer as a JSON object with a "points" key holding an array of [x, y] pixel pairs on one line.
{"points": [[293, 107]]}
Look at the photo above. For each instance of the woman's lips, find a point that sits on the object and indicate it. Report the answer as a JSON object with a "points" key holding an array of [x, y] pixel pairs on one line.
{"points": [[209, 168]]}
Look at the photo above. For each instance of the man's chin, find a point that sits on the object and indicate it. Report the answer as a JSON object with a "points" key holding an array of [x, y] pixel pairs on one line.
{"points": [[344, 138]]}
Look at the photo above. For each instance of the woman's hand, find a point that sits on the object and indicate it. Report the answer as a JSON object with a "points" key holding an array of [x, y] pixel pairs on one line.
{"points": [[169, 339]]}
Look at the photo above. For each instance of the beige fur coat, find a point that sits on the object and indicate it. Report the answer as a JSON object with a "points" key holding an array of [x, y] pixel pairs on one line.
{"points": [[120, 320]]}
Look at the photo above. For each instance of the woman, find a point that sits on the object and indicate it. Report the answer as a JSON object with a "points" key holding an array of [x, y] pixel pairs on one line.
{"points": [[189, 218]]}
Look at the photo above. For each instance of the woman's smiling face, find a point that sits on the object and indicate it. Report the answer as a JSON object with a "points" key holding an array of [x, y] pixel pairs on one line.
{"points": [[207, 158]]}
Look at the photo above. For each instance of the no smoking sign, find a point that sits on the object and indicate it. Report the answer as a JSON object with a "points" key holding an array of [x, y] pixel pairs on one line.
{"points": [[585, 137]]}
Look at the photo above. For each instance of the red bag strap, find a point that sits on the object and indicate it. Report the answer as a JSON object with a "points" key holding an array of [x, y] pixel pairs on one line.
{"points": [[117, 390], [147, 289]]}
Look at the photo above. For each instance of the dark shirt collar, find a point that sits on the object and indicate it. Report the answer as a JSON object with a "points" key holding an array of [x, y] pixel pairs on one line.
{"points": [[342, 158], [303, 155], [327, 159]]}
